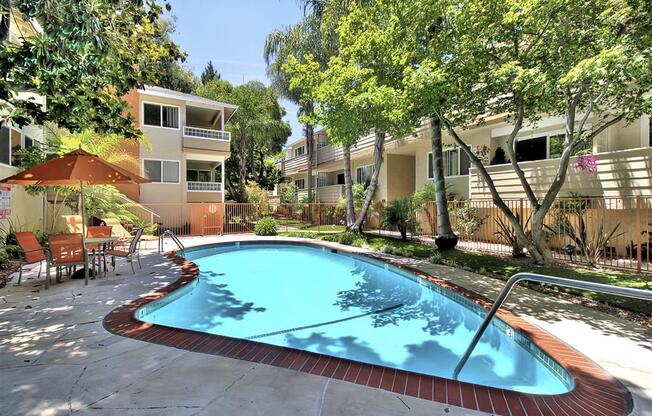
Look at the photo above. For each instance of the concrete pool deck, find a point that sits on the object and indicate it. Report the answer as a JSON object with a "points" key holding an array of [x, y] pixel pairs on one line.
{"points": [[56, 358]]}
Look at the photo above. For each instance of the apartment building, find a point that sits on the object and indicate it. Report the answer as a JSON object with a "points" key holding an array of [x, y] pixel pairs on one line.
{"points": [[187, 150], [624, 153], [14, 201]]}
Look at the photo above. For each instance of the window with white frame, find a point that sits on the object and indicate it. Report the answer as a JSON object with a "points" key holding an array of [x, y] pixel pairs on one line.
{"points": [[322, 141], [161, 171], [456, 163], [299, 151], [160, 115], [363, 174], [300, 184], [12, 141]]}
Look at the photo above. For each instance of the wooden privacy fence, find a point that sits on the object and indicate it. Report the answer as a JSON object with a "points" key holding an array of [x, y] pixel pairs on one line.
{"points": [[614, 232]]}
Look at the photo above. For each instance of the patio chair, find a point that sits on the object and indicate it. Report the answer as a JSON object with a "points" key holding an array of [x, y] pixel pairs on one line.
{"points": [[31, 252], [98, 250], [133, 250], [66, 250]]}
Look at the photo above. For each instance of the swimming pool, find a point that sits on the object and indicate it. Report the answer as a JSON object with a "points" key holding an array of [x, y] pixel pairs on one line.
{"points": [[352, 307]]}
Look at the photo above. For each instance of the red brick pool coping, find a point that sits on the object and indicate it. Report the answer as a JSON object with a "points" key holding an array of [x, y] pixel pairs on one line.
{"points": [[596, 393]]}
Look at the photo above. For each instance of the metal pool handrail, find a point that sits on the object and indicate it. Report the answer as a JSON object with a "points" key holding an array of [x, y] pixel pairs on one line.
{"points": [[540, 278], [174, 238]]}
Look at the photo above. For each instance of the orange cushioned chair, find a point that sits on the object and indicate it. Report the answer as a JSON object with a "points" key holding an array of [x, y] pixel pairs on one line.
{"points": [[31, 251], [66, 250]]}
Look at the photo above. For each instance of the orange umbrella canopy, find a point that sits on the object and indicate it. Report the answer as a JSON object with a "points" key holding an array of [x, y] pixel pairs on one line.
{"points": [[74, 168]]}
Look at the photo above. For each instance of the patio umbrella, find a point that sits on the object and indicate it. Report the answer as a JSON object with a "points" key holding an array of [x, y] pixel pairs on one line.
{"points": [[75, 169]]}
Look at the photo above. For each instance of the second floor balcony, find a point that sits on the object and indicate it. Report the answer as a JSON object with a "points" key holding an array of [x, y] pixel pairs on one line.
{"points": [[199, 138]]}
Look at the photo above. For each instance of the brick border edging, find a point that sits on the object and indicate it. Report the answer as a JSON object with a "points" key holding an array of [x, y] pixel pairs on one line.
{"points": [[596, 393]]}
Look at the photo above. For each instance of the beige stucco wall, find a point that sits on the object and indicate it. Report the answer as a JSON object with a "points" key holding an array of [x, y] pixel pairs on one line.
{"points": [[26, 210], [400, 176]]}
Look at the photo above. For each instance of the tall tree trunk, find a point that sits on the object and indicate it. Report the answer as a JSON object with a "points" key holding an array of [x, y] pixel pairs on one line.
{"points": [[5, 18], [348, 187], [252, 159], [446, 238], [243, 156], [379, 147], [310, 155]]}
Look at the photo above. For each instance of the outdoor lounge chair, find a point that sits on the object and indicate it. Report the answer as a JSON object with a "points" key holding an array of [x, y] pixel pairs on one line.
{"points": [[31, 252], [74, 224], [65, 251], [133, 250], [120, 231]]}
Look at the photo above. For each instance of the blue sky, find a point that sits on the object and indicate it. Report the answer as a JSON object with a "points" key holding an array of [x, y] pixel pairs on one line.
{"points": [[232, 35]]}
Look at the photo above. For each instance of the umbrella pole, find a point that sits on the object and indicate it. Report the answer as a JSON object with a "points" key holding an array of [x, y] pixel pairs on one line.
{"points": [[83, 215]]}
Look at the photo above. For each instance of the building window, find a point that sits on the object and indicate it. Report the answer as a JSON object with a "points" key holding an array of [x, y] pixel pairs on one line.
{"points": [[161, 115], [11, 142], [161, 171], [300, 184], [194, 175], [363, 174], [5, 145], [322, 141], [456, 163], [340, 178], [299, 151]]}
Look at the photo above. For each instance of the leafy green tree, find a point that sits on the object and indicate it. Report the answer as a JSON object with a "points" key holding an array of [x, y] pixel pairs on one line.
{"points": [[209, 74], [88, 56], [257, 128], [294, 42], [586, 61], [177, 78], [358, 81]]}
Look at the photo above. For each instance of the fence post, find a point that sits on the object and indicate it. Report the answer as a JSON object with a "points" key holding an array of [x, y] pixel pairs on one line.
{"points": [[318, 217], [639, 259]]}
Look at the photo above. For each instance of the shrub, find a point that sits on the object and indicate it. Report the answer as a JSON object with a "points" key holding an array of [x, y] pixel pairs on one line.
{"points": [[266, 226], [468, 220], [348, 238], [255, 194], [289, 193], [400, 215]]}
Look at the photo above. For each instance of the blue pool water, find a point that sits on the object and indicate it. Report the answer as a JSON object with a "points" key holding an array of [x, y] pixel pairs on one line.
{"points": [[312, 299]]}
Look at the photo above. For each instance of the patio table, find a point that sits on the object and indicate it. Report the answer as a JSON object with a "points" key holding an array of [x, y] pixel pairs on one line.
{"points": [[100, 241]]}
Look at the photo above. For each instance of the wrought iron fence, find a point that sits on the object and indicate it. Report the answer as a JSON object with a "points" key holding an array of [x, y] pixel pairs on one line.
{"points": [[613, 232]]}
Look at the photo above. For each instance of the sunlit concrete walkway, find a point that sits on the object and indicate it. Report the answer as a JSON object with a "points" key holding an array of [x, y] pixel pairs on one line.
{"points": [[56, 358]]}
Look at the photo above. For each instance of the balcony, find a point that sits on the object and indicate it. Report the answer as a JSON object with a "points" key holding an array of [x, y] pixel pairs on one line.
{"points": [[202, 133], [193, 186], [620, 173], [198, 138]]}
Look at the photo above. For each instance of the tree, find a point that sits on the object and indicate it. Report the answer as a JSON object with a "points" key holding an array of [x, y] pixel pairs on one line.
{"points": [[587, 61], [257, 128], [362, 81], [177, 78], [209, 74], [295, 42], [88, 56]]}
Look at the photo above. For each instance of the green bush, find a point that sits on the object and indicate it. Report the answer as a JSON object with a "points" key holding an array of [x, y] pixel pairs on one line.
{"points": [[348, 238], [266, 226], [400, 215]]}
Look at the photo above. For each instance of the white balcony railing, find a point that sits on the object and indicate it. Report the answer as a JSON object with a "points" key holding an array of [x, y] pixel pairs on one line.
{"points": [[204, 186], [200, 133]]}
